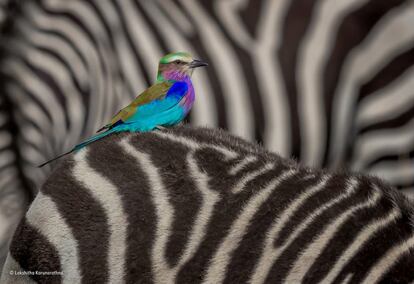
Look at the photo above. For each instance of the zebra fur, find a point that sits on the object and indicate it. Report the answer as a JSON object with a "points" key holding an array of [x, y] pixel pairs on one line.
{"points": [[196, 205], [327, 82]]}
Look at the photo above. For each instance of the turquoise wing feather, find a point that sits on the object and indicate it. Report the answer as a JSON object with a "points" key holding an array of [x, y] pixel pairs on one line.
{"points": [[156, 91], [156, 107]]}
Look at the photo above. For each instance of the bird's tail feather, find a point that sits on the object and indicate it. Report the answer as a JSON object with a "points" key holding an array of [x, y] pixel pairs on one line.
{"points": [[80, 145], [103, 128], [55, 158], [93, 139]]}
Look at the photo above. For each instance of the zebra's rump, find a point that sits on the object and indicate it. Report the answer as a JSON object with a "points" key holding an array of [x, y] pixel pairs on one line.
{"points": [[197, 205]]}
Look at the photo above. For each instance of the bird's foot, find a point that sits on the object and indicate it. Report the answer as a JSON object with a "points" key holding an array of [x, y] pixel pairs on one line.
{"points": [[159, 127]]}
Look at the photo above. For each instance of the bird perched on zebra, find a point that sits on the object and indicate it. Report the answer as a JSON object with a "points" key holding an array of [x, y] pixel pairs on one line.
{"points": [[166, 103]]}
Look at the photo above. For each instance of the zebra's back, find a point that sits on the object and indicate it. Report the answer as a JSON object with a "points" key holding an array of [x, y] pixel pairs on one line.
{"points": [[198, 205]]}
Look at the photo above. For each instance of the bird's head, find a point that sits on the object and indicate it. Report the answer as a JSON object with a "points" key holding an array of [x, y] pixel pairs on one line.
{"points": [[177, 66]]}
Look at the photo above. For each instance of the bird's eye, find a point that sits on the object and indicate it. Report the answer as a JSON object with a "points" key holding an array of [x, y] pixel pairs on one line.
{"points": [[179, 62]]}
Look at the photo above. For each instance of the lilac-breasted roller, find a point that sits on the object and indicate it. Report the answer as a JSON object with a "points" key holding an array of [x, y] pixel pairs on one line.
{"points": [[166, 103]]}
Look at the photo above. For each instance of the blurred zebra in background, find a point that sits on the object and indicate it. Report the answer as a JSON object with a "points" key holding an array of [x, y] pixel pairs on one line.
{"points": [[328, 82]]}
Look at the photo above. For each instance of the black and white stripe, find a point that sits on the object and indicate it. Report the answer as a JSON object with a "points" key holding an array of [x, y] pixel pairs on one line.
{"points": [[200, 206], [318, 80], [327, 82]]}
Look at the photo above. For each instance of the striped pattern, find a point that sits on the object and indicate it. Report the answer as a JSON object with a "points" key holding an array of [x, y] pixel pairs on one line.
{"points": [[169, 207], [325, 81]]}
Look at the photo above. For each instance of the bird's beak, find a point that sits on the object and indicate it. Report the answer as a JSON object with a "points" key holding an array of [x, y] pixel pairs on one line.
{"points": [[197, 63]]}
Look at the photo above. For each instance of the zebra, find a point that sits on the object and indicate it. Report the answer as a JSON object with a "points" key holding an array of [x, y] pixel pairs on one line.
{"points": [[198, 205], [325, 82]]}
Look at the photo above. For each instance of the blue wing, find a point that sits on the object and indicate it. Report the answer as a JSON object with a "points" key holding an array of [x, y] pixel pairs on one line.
{"points": [[174, 95]]}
